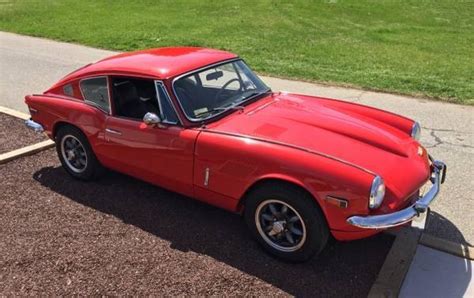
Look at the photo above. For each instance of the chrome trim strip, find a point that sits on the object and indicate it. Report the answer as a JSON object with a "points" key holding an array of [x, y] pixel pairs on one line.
{"points": [[415, 132], [195, 120], [405, 215], [113, 131], [93, 104], [291, 146], [262, 107], [35, 126], [58, 96], [206, 177]]}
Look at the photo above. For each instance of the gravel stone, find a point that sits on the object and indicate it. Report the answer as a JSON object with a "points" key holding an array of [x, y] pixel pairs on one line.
{"points": [[15, 135]]}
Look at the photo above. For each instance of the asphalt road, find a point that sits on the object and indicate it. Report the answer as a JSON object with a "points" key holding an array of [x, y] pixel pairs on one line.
{"points": [[30, 65]]}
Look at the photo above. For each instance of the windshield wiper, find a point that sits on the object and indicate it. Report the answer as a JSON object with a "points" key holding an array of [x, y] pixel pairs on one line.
{"points": [[235, 105], [255, 94], [218, 109]]}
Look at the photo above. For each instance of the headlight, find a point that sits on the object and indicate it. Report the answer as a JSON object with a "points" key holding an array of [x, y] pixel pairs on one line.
{"points": [[377, 192], [416, 131]]}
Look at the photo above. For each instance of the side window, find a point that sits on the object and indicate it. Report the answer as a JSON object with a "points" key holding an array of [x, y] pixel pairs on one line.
{"points": [[96, 92], [167, 112], [134, 97], [67, 89]]}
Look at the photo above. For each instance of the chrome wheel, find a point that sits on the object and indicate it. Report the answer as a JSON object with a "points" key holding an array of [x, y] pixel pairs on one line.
{"points": [[73, 153], [280, 225]]}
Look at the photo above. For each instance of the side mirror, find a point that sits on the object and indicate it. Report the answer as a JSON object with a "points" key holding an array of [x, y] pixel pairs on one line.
{"points": [[151, 119]]}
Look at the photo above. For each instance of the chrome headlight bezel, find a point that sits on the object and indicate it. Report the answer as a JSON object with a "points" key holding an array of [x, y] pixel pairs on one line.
{"points": [[377, 192], [416, 131]]}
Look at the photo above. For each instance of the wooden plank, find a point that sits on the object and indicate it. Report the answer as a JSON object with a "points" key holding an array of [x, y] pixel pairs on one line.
{"points": [[28, 150], [14, 113]]}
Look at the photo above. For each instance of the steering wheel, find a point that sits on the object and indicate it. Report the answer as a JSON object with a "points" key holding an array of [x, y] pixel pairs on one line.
{"points": [[219, 93]]}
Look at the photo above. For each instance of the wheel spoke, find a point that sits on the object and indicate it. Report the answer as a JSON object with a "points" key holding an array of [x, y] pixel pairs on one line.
{"points": [[273, 209], [267, 217], [289, 237], [296, 231], [284, 209], [293, 219]]}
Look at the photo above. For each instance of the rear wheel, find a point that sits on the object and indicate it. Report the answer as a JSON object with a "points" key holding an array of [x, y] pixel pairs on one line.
{"points": [[286, 222], [76, 155]]}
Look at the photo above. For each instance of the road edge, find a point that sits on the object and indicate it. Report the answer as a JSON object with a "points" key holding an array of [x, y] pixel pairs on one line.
{"points": [[397, 263]]}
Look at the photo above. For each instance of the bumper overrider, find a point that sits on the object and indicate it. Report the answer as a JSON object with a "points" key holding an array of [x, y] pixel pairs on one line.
{"points": [[383, 221], [35, 126]]}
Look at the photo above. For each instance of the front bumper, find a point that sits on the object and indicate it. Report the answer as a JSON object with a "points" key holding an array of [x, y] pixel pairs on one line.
{"points": [[35, 126], [403, 216]]}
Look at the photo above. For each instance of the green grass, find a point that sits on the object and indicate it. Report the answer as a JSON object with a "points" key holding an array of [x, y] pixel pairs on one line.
{"points": [[415, 47]]}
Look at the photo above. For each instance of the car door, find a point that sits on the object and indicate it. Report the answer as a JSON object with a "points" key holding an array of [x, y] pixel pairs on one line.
{"points": [[161, 155]]}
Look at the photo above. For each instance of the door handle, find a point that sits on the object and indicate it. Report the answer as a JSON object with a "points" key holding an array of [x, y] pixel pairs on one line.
{"points": [[115, 132]]}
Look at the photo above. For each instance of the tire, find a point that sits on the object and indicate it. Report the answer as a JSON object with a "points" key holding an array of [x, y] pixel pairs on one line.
{"points": [[311, 223], [76, 155]]}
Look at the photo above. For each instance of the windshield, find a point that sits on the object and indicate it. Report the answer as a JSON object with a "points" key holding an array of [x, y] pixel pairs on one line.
{"points": [[207, 93]]}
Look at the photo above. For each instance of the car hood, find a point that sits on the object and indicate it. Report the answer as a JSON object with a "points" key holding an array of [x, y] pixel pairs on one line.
{"points": [[372, 139]]}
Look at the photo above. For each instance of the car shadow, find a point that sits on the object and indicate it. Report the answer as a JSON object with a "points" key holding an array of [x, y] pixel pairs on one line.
{"points": [[343, 268], [440, 226]]}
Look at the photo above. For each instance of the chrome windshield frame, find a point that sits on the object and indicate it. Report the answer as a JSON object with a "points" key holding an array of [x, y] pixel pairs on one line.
{"points": [[168, 98]]}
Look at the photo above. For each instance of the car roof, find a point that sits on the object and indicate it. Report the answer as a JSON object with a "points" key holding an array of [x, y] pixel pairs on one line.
{"points": [[160, 63]]}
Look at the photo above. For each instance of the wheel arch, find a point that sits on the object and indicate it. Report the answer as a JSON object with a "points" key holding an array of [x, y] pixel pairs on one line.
{"points": [[281, 179], [59, 124]]}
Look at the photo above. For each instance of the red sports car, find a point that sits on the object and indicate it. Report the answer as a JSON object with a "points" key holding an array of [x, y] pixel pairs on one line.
{"points": [[199, 122]]}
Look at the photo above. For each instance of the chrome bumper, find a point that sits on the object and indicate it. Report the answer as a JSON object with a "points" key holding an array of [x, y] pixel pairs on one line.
{"points": [[35, 126], [383, 221]]}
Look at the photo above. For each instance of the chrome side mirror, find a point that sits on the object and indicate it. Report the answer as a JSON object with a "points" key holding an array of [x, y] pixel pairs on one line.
{"points": [[151, 119]]}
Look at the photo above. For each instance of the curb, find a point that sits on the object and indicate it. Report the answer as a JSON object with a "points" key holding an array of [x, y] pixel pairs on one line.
{"points": [[398, 261], [396, 265], [14, 113]]}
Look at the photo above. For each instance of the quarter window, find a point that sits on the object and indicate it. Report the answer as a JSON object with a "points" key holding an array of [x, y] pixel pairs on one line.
{"points": [[95, 91], [168, 113], [68, 90]]}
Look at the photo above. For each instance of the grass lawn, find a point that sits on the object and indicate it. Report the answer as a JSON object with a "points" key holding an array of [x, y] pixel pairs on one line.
{"points": [[423, 48]]}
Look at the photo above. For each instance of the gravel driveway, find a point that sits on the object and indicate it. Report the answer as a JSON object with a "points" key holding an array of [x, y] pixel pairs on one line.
{"points": [[120, 236], [22, 136]]}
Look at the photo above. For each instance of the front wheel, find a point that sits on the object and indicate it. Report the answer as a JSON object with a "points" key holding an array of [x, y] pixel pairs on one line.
{"points": [[286, 222]]}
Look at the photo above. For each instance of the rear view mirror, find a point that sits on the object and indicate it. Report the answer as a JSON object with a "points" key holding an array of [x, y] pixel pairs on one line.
{"points": [[215, 75]]}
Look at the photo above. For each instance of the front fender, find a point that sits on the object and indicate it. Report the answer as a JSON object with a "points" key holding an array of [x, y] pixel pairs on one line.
{"points": [[233, 164]]}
